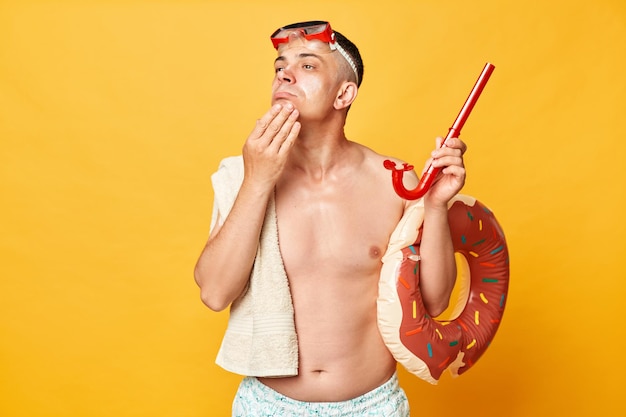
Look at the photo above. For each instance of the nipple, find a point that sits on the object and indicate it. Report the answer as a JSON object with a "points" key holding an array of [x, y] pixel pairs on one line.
{"points": [[375, 252]]}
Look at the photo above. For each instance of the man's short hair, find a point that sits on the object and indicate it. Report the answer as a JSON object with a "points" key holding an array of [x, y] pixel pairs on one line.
{"points": [[354, 53]]}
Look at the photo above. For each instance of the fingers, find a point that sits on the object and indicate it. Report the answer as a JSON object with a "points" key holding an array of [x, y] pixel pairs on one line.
{"points": [[449, 155], [454, 170], [286, 134], [454, 143], [446, 159], [276, 125], [266, 150], [263, 123], [290, 138], [449, 159]]}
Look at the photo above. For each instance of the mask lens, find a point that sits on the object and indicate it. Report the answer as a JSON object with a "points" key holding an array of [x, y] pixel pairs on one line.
{"points": [[314, 30], [310, 30]]}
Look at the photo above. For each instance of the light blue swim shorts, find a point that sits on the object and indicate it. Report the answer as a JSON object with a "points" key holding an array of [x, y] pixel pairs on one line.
{"points": [[253, 399]]}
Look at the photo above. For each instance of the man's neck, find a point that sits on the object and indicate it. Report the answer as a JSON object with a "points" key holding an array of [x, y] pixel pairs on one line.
{"points": [[319, 149]]}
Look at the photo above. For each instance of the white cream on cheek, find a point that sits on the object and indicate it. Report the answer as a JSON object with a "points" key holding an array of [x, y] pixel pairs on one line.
{"points": [[315, 88]]}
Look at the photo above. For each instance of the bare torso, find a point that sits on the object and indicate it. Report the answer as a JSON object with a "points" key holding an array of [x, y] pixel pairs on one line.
{"points": [[333, 232]]}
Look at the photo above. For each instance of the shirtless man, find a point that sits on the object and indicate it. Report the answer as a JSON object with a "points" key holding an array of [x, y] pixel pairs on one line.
{"points": [[336, 209]]}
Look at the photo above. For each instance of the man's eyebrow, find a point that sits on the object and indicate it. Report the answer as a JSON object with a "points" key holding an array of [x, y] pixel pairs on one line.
{"points": [[299, 56], [309, 55]]}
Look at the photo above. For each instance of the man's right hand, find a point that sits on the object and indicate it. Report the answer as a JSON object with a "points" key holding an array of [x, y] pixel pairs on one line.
{"points": [[224, 267], [266, 149]]}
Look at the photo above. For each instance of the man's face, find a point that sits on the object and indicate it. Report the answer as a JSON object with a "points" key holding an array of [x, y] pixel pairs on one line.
{"points": [[307, 76]]}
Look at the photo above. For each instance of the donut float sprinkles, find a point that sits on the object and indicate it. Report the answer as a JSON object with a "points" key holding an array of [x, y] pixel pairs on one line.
{"points": [[424, 345]]}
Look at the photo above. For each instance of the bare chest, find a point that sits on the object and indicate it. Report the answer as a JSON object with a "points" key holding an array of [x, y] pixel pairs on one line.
{"points": [[337, 233]]}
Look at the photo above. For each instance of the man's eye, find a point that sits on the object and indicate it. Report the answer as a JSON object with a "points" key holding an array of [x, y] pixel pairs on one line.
{"points": [[308, 67], [278, 69]]}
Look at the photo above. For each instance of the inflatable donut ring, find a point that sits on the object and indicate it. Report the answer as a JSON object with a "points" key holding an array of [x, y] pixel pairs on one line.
{"points": [[423, 345]]}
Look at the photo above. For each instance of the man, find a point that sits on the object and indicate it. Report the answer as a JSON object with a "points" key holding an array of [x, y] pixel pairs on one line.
{"points": [[335, 211]]}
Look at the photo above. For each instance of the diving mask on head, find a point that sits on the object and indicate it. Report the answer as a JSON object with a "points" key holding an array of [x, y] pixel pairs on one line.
{"points": [[313, 30]]}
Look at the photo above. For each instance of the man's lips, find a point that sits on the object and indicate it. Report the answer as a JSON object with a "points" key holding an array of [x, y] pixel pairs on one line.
{"points": [[283, 94]]}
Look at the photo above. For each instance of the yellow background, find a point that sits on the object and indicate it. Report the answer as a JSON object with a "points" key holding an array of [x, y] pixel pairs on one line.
{"points": [[113, 114]]}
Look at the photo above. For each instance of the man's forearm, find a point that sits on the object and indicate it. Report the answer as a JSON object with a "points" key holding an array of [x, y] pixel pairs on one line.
{"points": [[223, 269], [437, 264]]}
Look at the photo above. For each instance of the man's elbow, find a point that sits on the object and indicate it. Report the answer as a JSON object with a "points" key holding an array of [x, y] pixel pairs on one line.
{"points": [[214, 303], [436, 309], [437, 302], [441, 299], [210, 298]]}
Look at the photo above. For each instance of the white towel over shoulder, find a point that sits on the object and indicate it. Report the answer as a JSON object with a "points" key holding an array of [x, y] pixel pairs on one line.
{"points": [[260, 339]]}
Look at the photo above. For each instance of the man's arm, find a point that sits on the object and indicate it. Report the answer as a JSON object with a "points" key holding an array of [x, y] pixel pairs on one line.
{"points": [[437, 264], [224, 266]]}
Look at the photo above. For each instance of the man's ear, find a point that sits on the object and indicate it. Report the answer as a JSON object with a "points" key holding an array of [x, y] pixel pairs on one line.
{"points": [[346, 95]]}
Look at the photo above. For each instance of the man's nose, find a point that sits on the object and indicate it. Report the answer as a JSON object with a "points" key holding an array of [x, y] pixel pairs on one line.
{"points": [[286, 76]]}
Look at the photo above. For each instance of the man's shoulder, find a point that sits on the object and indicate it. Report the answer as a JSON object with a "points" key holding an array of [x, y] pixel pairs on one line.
{"points": [[380, 166], [378, 158]]}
